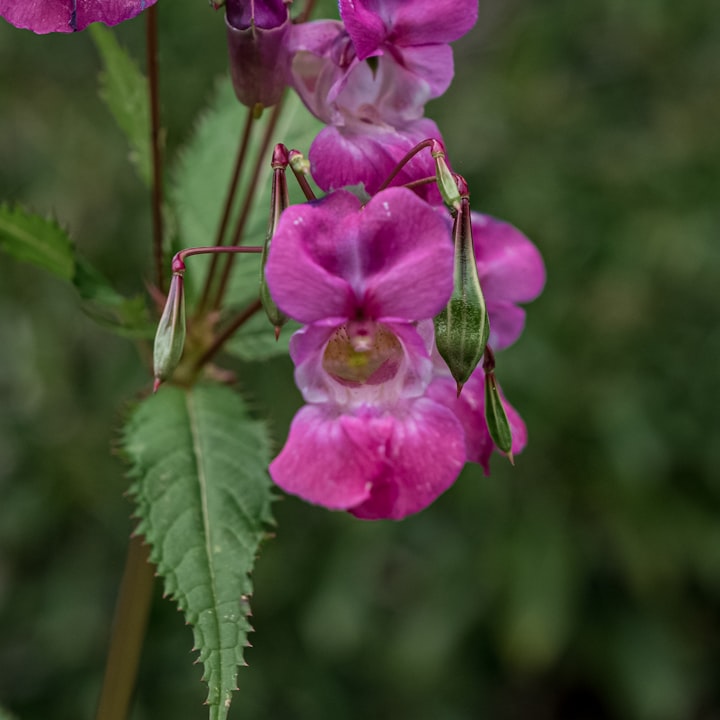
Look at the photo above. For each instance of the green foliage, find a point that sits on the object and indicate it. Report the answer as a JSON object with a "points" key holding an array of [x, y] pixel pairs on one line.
{"points": [[36, 240], [203, 501], [255, 340], [43, 243], [124, 88]]}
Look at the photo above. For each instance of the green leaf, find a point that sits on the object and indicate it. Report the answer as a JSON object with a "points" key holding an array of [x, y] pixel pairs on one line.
{"points": [[124, 89], [255, 340], [203, 499], [42, 242], [199, 181]]}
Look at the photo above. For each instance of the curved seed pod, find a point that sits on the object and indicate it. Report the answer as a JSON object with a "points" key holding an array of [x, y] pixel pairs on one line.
{"points": [[462, 328]]}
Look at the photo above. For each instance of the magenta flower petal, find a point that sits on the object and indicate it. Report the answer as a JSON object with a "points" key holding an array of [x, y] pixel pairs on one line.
{"points": [[364, 25], [303, 271], [64, 16], [407, 257], [371, 462], [342, 156], [510, 266], [329, 458], [507, 321], [420, 22], [331, 261], [422, 456], [469, 408], [433, 63]]}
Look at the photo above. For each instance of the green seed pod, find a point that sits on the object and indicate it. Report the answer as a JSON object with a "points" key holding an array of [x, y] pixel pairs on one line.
{"points": [[278, 202], [496, 418], [462, 328], [170, 335]]}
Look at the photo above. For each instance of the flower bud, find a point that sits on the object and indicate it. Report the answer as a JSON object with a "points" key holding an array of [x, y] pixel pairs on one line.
{"points": [[462, 328], [259, 58], [279, 200], [446, 183], [170, 335]]}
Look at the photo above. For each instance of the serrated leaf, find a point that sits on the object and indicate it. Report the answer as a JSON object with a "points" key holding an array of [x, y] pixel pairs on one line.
{"points": [[124, 89], [255, 340], [44, 243], [126, 316], [37, 240], [203, 499], [199, 181]]}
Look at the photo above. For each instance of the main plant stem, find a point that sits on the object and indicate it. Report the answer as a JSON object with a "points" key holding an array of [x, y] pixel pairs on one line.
{"points": [[128, 632], [157, 184]]}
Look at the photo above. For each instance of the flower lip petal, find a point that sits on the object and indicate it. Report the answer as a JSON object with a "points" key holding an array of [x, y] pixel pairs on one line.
{"points": [[374, 463], [424, 454], [328, 458]]}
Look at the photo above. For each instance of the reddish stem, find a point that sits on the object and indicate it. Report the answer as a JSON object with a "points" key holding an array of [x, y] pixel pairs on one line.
{"points": [[151, 38], [221, 339], [406, 159], [307, 11]]}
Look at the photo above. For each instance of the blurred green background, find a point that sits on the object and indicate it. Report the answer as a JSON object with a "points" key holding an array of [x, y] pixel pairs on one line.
{"points": [[585, 583]]}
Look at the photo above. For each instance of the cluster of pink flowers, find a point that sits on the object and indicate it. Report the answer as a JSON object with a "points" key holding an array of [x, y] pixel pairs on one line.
{"points": [[384, 431]]}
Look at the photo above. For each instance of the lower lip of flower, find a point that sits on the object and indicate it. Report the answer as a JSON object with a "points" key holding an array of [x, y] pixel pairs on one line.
{"points": [[362, 353]]}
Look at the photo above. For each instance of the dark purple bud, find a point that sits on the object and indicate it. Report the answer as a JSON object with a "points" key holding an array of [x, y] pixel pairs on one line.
{"points": [[259, 58], [265, 14]]}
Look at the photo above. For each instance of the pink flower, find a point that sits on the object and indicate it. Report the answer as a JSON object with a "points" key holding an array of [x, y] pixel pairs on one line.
{"points": [[370, 79], [46, 16], [361, 279]]}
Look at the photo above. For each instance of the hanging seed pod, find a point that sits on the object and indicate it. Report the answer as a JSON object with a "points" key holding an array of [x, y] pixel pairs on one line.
{"points": [[171, 331], [496, 417], [462, 328]]}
